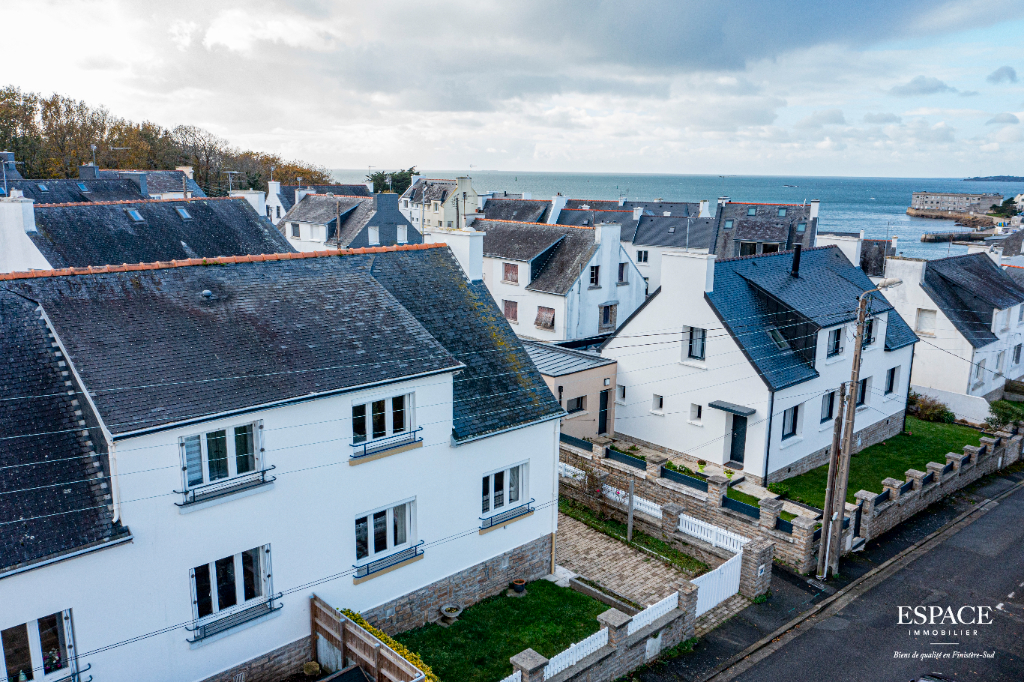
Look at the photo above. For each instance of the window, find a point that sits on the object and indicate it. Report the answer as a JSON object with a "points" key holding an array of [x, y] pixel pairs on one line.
{"points": [[770, 248], [403, 234], [449, 223], [381, 418], [777, 337], [503, 488], [641, 257], [43, 188], [595, 275], [748, 248], [751, 211], [890, 380], [1000, 362], [43, 645], [278, 211], [801, 227], [862, 392], [869, 331], [835, 340], [659, 403], [789, 422], [510, 273], [647, 286], [696, 412], [1016, 354], [221, 454], [237, 580], [1020, 315], [979, 373], [925, 322], [620, 392], [270, 213], [828, 406], [696, 341], [1005, 315], [511, 311], [782, 213], [622, 273], [135, 215], [82, 186], [576, 404], [728, 224], [545, 318], [383, 530], [295, 230], [373, 235], [183, 214], [607, 316]]}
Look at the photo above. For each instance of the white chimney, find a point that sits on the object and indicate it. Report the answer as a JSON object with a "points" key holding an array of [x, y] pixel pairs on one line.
{"points": [[273, 188], [187, 170], [255, 197], [722, 201], [705, 211], [610, 232], [894, 244], [300, 194], [369, 186], [527, 195], [468, 248], [666, 213], [637, 212], [622, 201], [557, 204], [17, 220], [814, 208]]}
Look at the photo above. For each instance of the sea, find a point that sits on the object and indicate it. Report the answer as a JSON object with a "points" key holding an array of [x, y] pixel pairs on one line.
{"points": [[876, 205]]}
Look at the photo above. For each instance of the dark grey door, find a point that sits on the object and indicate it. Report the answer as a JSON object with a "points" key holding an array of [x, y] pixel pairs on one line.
{"points": [[602, 415], [739, 438]]}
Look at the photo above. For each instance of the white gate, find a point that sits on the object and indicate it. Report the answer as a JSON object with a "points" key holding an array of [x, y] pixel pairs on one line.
{"points": [[713, 535], [718, 585]]}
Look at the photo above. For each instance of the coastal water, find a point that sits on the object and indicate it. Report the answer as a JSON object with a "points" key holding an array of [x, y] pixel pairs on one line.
{"points": [[876, 205]]}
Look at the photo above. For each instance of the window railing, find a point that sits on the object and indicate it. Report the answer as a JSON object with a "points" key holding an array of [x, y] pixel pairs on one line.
{"points": [[234, 619], [379, 565], [834, 351], [507, 515], [77, 675], [378, 445], [226, 486]]}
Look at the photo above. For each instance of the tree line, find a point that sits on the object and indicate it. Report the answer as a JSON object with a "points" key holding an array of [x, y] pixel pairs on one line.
{"points": [[52, 136]]}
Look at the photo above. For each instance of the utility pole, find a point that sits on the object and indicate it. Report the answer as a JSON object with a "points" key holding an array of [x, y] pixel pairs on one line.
{"points": [[833, 471]]}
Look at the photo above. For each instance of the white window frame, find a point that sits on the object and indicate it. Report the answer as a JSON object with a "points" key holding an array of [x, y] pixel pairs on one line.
{"points": [[643, 255], [837, 335], [135, 215], [230, 449], [389, 412], [391, 547], [691, 339], [892, 380], [38, 656], [658, 403], [791, 422], [183, 213], [373, 235], [1000, 362], [1016, 354], [524, 489], [620, 394], [862, 398], [296, 230], [403, 234], [919, 328], [580, 400], [265, 585], [623, 274], [696, 414], [979, 373], [830, 400]]}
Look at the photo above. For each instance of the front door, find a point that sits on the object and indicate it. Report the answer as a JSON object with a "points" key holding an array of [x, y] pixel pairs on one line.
{"points": [[739, 438], [602, 415]]}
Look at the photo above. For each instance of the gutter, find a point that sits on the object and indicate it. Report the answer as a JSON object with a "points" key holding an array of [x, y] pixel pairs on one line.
{"points": [[557, 415], [65, 557]]}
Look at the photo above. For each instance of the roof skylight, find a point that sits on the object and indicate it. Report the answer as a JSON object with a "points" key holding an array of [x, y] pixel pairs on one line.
{"points": [[43, 188], [183, 213], [777, 337], [751, 211], [136, 216], [82, 186]]}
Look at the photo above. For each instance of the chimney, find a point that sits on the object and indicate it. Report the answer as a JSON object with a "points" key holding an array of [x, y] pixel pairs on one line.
{"points": [[87, 171], [796, 260], [139, 179], [666, 213], [814, 208], [369, 186], [610, 233], [300, 194], [256, 198], [557, 204], [273, 188], [468, 248], [597, 232], [17, 220], [385, 201], [187, 170], [722, 201], [637, 212], [705, 212], [622, 201]]}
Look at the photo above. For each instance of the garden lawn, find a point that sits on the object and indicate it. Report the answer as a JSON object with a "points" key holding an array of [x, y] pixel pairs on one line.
{"points": [[929, 443], [741, 496], [476, 648]]}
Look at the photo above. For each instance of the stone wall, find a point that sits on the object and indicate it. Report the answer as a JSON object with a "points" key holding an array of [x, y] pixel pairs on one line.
{"points": [[530, 562], [881, 512], [271, 666]]}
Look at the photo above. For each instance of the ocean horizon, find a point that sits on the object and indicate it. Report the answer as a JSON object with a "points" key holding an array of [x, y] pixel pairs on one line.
{"points": [[848, 204]]}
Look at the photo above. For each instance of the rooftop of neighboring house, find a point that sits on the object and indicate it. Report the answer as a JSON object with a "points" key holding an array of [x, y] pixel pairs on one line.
{"points": [[586, 217], [556, 361], [356, 213], [968, 289], [775, 223], [75, 191], [430, 189], [524, 210], [287, 193], [53, 479], [82, 234], [157, 181], [753, 295], [557, 254], [196, 341], [676, 231], [873, 253]]}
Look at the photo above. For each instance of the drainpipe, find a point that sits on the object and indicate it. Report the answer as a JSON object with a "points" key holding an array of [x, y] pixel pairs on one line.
{"points": [[768, 441], [910, 375]]}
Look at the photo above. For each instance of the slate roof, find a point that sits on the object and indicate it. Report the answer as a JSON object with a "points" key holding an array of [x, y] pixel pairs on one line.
{"points": [[287, 327], [561, 251], [322, 209], [356, 214], [68, 191], [524, 210], [555, 361], [79, 235], [824, 295], [1016, 273], [672, 231], [287, 194], [429, 189], [765, 226], [53, 480], [589, 217], [968, 289], [157, 181]]}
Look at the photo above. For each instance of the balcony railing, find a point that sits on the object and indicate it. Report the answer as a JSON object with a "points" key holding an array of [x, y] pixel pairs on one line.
{"points": [[507, 515], [226, 486], [387, 562], [832, 352], [379, 445], [234, 619], [77, 675]]}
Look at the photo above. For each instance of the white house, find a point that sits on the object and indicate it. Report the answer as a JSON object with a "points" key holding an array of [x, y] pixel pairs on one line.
{"points": [[431, 203], [189, 453], [737, 361], [556, 282], [281, 198], [321, 221], [969, 316]]}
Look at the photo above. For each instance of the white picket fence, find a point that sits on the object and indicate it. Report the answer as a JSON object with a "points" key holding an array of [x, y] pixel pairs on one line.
{"points": [[653, 613], [718, 537], [718, 585], [576, 653], [569, 471], [517, 676]]}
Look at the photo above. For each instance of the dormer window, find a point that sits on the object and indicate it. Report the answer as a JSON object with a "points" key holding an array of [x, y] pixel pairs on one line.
{"points": [[135, 215], [777, 337], [43, 188], [751, 211], [183, 214], [82, 186], [782, 213]]}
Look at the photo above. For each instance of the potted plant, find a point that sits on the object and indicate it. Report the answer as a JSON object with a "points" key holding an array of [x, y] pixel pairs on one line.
{"points": [[728, 473], [519, 585], [700, 465], [311, 669]]}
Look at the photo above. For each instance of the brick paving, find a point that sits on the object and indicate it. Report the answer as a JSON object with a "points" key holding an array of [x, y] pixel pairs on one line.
{"points": [[721, 613], [614, 565]]}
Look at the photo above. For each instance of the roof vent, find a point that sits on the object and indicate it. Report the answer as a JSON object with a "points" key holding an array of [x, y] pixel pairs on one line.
{"points": [[207, 294], [796, 261], [671, 230]]}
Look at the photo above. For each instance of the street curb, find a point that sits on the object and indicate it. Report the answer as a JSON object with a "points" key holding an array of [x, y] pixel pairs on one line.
{"points": [[784, 634]]}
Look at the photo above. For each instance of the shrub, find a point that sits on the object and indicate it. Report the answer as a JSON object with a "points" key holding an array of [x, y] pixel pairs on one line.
{"points": [[1003, 413], [397, 647], [929, 409], [780, 489]]}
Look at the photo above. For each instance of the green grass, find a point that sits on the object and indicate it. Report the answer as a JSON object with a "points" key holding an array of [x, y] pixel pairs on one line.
{"points": [[929, 442], [741, 496], [476, 648], [617, 530]]}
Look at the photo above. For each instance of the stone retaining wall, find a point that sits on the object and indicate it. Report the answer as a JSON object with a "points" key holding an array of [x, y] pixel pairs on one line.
{"points": [[271, 666]]}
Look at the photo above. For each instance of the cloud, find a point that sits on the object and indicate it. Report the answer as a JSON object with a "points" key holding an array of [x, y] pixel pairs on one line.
{"points": [[1002, 74], [823, 118], [1003, 119], [881, 118], [920, 85], [969, 93], [181, 33]]}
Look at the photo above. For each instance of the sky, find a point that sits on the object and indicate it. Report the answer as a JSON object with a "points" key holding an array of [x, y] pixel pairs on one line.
{"points": [[911, 88]]}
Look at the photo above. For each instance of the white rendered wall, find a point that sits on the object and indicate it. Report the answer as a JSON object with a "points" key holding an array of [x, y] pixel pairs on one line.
{"points": [[307, 517], [652, 268]]}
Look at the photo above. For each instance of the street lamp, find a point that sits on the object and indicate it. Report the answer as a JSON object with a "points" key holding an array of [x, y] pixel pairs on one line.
{"points": [[839, 464]]}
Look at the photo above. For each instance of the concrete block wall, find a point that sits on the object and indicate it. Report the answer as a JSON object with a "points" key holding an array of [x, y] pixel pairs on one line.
{"points": [[271, 666]]}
